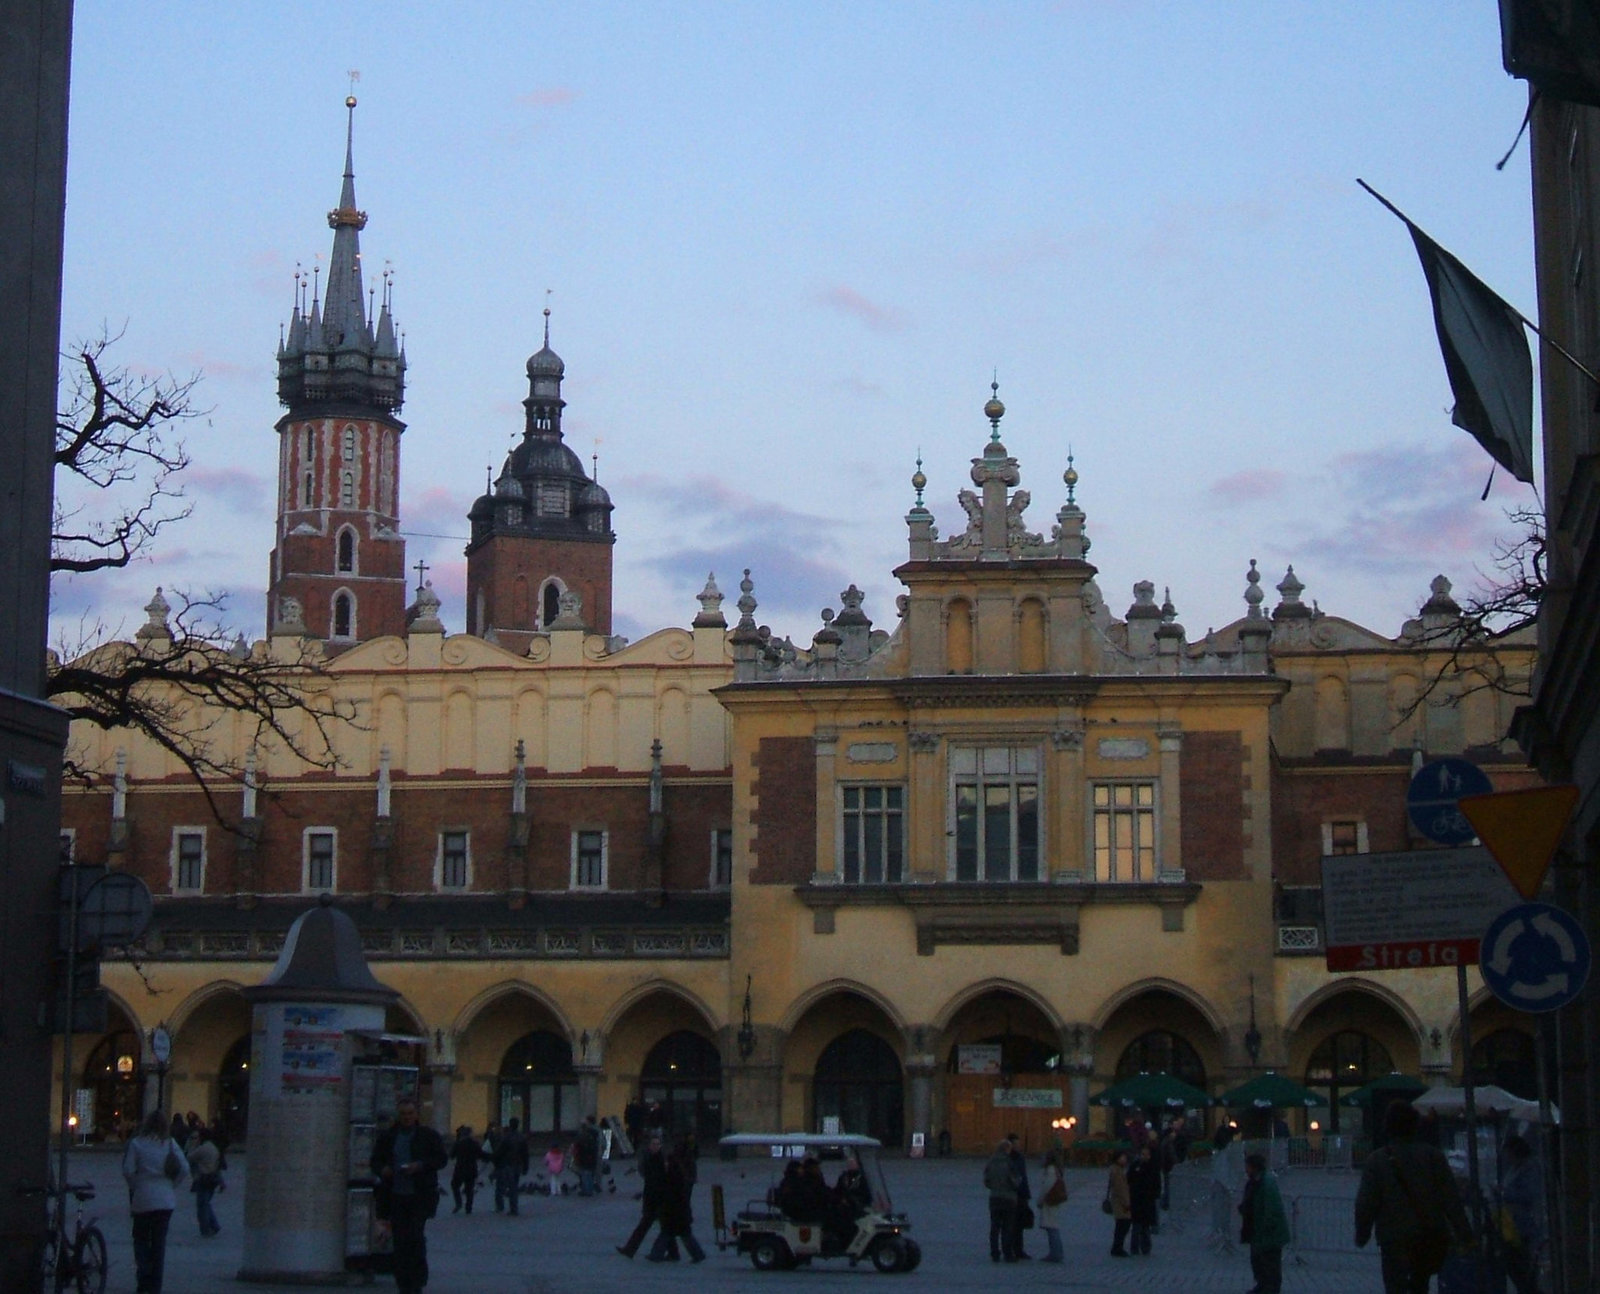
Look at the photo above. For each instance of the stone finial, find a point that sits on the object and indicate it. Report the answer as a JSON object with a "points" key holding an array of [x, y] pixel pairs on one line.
{"points": [[240, 649], [710, 616], [519, 779], [1169, 613], [156, 626], [291, 621], [569, 613], [1439, 601], [1253, 595], [1144, 602], [1291, 608], [747, 603], [851, 612], [423, 617]]}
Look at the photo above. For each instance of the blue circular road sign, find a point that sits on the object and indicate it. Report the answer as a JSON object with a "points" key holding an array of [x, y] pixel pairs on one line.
{"points": [[1433, 799], [1535, 957]]}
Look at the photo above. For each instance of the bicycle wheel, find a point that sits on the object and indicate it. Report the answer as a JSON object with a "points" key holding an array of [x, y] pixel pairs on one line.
{"points": [[90, 1260], [47, 1263]]}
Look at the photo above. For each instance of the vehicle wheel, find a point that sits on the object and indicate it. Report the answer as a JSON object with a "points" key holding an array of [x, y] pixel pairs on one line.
{"points": [[889, 1255], [913, 1255], [90, 1260], [769, 1254], [47, 1263]]}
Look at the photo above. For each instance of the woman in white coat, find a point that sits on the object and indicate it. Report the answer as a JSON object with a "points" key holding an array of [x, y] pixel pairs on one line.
{"points": [[155, 1169], [1052, 1198]]}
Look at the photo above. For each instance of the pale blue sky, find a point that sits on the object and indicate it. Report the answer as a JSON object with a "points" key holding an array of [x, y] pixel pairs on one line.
{"points": [[788, 243]]}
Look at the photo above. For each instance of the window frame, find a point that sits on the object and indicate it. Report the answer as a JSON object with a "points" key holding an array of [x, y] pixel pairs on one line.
{"points": [[349, 632], [719, 881], [439, 880], [1330, 824], [180, 834], [69, 845], [604, 882], [1135, 812], [306, 837], [346, 534], [857, 821], [983, 780]]}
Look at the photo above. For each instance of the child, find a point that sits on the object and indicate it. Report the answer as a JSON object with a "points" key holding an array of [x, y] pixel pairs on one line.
{"points": [[555, 1163]]}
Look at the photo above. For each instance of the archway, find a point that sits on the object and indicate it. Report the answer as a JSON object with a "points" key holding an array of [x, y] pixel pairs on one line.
{"points": [[114, 1079], [207, 1028], [858, 1081], [538, 1085], [1160, 1051], [1347, 1039], [1003, 1071], [1341, 1063], [680, 1084], [232, 1116], [1157, 1029], [1508, 1058]]}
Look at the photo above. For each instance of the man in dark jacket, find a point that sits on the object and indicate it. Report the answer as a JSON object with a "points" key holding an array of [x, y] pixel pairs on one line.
{"points": [[677, 1211], [1019, 1174], [509, 1154], [406, 1159], [586, 1156], [653, 1174], [1001, 1183], [1409, 1195]]}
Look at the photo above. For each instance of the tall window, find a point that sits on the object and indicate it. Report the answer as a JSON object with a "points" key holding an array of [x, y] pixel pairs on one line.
{"points": [[349, 444], [552, 604], [722, 858], [305, 494], [188, 858], [1344, 836], [347, 496], [310, 445], [453, 859], [588, 860], [343, 615], [874, 834], [347, 550], [1125, 831], [319, 860], [995, 794]]}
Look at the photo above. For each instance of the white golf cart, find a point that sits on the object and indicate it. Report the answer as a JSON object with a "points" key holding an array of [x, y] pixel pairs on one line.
{"points": [[870, 1232]]}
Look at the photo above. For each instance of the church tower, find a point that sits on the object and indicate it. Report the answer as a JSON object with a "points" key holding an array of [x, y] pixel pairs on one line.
{"points": [[540, 553], [338, 562]]}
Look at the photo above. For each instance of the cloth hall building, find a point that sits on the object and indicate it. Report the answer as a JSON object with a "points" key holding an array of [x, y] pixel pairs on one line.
{"points": [[1009, 840]]}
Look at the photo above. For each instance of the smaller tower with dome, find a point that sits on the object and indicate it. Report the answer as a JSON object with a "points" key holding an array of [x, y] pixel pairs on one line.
{"points": [[542, 530]]}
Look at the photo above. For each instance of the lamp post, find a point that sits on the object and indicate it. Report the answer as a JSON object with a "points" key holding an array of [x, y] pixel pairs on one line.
{"points": [[1252, 1035], [747, 1031]]}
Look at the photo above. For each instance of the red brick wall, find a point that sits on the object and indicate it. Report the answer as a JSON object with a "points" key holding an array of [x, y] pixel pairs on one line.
{"points": [[785, 818], [584, 566], [420, 811], [1212, 780]]}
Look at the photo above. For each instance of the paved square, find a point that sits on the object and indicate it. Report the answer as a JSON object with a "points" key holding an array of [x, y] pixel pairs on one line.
{"points": [[566, 1245]]}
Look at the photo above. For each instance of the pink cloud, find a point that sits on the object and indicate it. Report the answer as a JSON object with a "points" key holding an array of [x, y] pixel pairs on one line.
{"points": [[848, 301], [555, 96], [1249, 486]]}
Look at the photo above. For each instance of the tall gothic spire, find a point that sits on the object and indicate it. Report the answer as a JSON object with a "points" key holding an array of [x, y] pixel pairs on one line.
{"points": [[338, 352]]}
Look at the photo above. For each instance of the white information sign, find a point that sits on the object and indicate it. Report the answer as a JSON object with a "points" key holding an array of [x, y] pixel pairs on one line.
{"points": [[1027, 1098], [1423, 907]]}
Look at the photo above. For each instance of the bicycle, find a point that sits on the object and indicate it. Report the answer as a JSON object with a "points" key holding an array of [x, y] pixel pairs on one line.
{"points": [[79, 1259]]}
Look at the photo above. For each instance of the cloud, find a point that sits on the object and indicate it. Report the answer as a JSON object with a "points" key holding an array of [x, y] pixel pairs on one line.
{"points": [[1250, 486], [847, 301], [555, 96], [223, 369], [237, 489], [434, 513]]}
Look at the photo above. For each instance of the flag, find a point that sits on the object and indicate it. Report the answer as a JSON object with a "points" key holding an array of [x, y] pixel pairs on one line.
{"points": [[1485, 356]]}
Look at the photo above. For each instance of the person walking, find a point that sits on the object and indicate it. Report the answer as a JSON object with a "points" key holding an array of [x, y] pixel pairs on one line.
{"points": [[464, 1177], [510, 1158], [677, 1212], [1144, 1197], [1052, 1198], [1120, 1203], [1023, 1218], [586, 1156], [406, 1159], [1265, 1225], [1408, 1195], [154, 1168], [653, 1175], [1174, 1151], [1522, 1214], [1001, 1184], [205, 1166]]}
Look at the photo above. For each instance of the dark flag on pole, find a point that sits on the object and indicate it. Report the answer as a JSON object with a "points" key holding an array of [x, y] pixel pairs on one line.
{"points": [[1485, 355]]}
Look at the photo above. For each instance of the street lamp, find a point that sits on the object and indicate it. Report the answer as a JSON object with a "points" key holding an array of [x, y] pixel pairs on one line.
{"points": [[1252, 1035], [747, 1031]]}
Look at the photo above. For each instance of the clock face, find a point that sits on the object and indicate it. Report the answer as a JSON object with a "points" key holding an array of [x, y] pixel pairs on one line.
{"points": [[160, 1045]]}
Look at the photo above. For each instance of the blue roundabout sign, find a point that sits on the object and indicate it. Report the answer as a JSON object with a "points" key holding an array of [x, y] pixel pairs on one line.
{"points": [[1535, 957]]}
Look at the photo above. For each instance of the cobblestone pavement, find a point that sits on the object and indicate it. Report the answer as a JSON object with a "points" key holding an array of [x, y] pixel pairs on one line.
{"points": [[566, 1245]]}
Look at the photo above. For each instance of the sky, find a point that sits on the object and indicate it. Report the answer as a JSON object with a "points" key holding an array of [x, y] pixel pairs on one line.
{"points": [[786, 249]]}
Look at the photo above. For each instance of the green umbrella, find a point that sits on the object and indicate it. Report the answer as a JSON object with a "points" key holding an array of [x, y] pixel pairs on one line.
{"points": [[1146, 1090], [1269, 1091], [1398, 1085]]}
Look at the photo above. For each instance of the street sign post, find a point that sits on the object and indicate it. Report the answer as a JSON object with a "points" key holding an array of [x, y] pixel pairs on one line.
{"points": [[1410, 910], [1434, 796], [1536, 957]]}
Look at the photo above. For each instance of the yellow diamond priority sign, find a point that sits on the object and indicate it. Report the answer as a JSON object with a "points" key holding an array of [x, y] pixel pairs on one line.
{"points": [[1522, 829]]}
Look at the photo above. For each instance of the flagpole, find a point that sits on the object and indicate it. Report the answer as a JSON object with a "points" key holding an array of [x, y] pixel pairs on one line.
{"points": [[1527, 322]]}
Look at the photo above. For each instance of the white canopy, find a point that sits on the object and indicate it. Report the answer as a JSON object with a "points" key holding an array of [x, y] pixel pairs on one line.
{"points": [[1486, 1100]]}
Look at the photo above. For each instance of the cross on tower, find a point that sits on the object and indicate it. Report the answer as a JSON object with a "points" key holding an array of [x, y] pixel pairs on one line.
{"points": [[421, 568]]}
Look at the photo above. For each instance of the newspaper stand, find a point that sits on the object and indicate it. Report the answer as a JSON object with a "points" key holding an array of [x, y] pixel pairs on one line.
{"points": [[383, 1068]]}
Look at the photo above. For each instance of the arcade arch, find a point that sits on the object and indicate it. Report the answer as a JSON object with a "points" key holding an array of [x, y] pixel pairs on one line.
{"points": [[1001, 1053], [844, 1059]]}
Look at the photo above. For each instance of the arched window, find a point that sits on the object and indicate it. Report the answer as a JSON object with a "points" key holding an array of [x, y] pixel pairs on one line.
{"points": [[348, 495], [1343, 1062], [858, 1081], [1160, 1051], [310, 445], [305, 494], [538, 1085], [349, 444], [113, 1074], [552, 603], [344, 615], [347, 550], [683, 1075]]}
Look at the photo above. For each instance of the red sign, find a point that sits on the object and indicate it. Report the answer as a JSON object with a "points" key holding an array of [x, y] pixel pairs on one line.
{"points": [[1403, 954]]}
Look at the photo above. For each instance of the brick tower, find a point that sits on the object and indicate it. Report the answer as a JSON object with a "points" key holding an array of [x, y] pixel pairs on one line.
{"points": [[338, 555], [544, 529]]}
